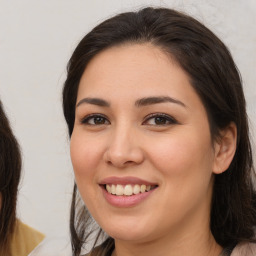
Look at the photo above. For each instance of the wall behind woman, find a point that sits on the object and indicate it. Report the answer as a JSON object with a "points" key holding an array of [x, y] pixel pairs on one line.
{"points": [[36, 40]]}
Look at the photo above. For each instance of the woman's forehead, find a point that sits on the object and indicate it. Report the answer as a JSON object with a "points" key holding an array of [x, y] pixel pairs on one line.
{"points": [[133, 68]]}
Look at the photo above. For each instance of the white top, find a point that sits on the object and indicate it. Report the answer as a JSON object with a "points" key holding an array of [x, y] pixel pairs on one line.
{"points": [[53, 246]]}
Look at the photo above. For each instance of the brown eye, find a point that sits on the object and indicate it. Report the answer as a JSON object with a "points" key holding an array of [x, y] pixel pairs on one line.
{"points": [[95, 120], [98, 120], [159, 119]]}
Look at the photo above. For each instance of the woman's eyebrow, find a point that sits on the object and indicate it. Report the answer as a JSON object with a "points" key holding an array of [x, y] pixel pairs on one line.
{"points": [[139, 103], [93, 101], [155, 100]]}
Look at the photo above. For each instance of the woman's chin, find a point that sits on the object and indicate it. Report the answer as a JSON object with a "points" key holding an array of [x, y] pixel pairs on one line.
{"points": [[124, 236]]}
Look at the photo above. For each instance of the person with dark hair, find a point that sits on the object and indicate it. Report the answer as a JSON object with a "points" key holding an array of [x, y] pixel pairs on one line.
{"points": [[159, 140], [16, 238]]}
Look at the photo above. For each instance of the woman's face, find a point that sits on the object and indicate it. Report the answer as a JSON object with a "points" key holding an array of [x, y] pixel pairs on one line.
{"points": [[141, 146]]}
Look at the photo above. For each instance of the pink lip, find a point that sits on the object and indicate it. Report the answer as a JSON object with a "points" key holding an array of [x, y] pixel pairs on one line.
{"points": [[125, 201], [125, 180]]}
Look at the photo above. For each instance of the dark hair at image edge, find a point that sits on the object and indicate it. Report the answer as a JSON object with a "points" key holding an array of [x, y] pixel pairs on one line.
{"points": [[215, 78], [10, 170]]}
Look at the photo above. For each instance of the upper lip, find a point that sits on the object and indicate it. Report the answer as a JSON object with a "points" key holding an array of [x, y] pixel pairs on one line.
{"points": [[125, 180]]}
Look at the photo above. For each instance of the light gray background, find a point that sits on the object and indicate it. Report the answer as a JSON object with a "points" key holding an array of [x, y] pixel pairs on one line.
{"points": [[37, 38]]}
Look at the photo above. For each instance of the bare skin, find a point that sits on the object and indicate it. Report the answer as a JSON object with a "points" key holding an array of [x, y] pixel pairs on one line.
{"points": [[138, 116]]}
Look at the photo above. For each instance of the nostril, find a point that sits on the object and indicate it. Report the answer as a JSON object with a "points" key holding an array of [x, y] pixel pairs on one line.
{"points": [[123, 151], [128, 162]]}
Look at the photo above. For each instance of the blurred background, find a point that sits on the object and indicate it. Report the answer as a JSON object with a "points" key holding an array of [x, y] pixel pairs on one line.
{"points": [[36, 41]]}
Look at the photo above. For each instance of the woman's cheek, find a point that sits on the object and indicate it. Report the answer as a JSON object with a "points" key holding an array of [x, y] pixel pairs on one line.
{"points": [[171, 152], [181, 154], [79, 147]]}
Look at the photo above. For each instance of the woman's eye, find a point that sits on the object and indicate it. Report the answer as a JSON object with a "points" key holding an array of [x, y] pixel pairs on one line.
{"points": [[95, 120], [159, 119]]}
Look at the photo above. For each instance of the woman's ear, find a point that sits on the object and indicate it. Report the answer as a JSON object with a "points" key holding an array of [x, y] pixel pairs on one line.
{"points": [[225, 148]]}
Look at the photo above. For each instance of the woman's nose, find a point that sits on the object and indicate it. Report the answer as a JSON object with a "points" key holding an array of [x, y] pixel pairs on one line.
{"points": [[124, 149]]}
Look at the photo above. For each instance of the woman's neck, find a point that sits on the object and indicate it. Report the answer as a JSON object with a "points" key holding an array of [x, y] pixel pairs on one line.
{"points": [[194, 247]]}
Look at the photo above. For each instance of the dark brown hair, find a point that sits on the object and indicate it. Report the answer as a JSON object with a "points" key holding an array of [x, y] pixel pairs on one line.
{"points": [[10, 170], [215, 78]]}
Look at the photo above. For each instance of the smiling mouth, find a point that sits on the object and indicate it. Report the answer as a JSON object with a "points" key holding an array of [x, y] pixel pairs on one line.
{"points": [[128, 189]]}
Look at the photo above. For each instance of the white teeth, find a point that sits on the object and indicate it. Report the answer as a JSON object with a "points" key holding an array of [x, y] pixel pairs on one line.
{"points": [[136, 189], [119, 190], [113, 189], [127, 190], [142, 188], [108, 188]]}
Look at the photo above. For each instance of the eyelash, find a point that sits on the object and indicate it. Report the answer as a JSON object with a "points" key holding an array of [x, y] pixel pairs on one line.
{"points": [[164, 117], [86, 119]]}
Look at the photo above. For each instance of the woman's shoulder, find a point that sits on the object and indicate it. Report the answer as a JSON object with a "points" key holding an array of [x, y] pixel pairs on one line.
{"points": [[244, 249]]}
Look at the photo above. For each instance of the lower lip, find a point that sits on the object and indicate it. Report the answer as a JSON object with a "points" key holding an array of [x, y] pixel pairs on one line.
{"points": [[126, 201]]}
